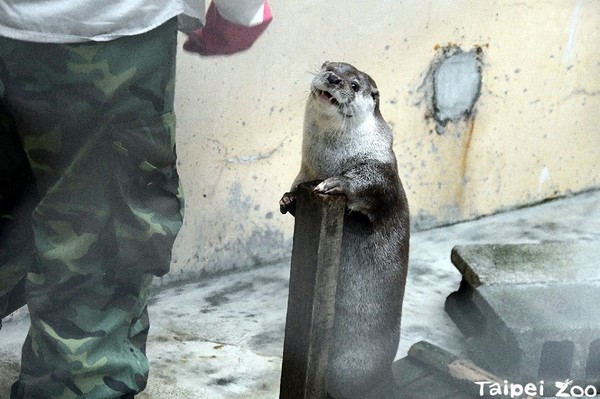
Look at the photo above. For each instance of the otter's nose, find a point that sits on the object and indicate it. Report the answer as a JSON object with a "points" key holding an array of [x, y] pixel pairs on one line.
{"points": [[333, 78]]}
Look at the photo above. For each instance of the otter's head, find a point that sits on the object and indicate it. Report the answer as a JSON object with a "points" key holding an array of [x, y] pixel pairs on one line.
{"points": [[339, 90]]}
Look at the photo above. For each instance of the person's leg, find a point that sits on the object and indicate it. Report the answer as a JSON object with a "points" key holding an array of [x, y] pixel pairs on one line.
{"points": [[96, 121], [17, 198]]}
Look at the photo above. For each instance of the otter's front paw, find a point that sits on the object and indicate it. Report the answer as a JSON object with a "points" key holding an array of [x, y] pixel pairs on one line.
{"points": [[287, 203], [333, 185]]}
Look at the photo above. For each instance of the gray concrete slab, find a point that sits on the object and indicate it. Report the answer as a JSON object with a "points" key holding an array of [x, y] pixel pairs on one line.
{"points": [[531, 310], [528, 263]]}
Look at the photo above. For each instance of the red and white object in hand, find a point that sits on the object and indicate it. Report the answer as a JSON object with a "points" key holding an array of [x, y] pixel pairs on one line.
{"points": [[221, 36]]}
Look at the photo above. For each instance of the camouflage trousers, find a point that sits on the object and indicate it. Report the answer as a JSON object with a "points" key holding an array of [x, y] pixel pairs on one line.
{"points": [[90, 204]]}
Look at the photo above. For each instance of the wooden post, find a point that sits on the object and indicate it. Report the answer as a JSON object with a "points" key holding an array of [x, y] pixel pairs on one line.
{"points": [[311, 303]]}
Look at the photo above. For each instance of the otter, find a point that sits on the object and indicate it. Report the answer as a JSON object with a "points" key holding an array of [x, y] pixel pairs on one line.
{"points": [[347, 145]]}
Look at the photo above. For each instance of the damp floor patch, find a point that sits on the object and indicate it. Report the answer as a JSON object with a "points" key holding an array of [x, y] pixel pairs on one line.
{"points": [[531, 311]]}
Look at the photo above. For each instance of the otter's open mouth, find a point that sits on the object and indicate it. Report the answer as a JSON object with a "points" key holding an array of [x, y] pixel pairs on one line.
{"points": [[326, 96]]}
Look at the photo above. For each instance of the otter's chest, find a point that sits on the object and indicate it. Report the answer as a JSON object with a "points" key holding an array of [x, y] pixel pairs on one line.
{"points": [[326, 158], [331, 153]]}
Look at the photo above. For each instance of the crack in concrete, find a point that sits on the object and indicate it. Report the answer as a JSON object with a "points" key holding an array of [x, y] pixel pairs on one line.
{"points": [[242, 159]]}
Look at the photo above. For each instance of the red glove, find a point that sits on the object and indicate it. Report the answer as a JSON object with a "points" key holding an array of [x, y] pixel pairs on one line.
{"points": [[222, 37]]}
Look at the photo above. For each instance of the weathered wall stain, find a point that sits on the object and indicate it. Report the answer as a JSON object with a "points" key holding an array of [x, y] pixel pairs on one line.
{"points": [[464, 167], [456, 86], [448, 96], [452, 85]]}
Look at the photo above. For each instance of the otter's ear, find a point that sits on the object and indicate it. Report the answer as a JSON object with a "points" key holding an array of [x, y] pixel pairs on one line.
{"points": [[325, 64], [375, 94]]}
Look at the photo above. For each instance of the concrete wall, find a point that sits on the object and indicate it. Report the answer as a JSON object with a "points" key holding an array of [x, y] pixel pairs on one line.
{"points": [[494, 105]]}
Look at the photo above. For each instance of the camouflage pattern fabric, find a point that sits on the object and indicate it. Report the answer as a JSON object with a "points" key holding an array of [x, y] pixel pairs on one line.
{"points": [[97, 130], [17, 198]]}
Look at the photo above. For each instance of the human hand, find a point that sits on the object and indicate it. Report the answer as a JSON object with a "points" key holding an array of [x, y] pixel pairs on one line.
{"points": [[222, 37]]}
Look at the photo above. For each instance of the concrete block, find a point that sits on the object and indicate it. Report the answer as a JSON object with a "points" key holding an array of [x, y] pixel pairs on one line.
{"points": [[531, 311]]}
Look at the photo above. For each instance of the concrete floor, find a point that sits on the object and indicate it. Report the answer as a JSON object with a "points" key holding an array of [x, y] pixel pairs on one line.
{"points": [[222, 337]]}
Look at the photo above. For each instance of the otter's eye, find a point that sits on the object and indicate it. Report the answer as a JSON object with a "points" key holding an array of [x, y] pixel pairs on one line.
{"points": [[355, 86]]}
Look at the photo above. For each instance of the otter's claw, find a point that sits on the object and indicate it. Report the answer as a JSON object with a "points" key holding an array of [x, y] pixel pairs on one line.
{"points": [[287, 203], [332, 185]]}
